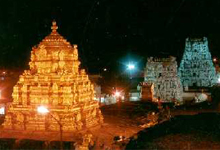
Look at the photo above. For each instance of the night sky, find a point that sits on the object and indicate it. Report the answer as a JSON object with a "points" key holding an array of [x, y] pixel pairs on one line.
{"points": [[108, 32]]}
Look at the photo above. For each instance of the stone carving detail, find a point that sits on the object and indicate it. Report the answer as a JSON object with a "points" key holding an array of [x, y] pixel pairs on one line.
{"points": [[54, 79], [196, 67], [162, 73]]}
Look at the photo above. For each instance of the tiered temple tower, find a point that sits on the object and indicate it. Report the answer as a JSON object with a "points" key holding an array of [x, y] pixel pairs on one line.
{"points": [[55, 81], [162, 73], [196, 67]]}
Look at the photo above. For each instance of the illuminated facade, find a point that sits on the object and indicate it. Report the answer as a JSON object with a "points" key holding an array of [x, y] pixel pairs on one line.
{"points": [[55, 81], [196, 67], [162, 73]]}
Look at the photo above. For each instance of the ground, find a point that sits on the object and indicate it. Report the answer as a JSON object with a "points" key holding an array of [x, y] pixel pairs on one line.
{"points": [[191, 127], [127, 120], [121, 119]]}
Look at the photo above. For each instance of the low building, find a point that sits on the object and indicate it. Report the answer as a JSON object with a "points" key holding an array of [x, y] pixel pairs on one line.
{"points": [[95, 79], [134, 95]]}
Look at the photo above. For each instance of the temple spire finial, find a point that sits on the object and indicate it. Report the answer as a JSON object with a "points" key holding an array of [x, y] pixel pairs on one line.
{"points": [[54, 26]]}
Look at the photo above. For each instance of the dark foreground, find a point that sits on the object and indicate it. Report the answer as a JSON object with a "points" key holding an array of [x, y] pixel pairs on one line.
{"points": [[199, 131]]}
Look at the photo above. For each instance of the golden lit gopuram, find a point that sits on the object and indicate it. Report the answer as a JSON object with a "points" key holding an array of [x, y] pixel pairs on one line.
{"points": [[55, 81]]}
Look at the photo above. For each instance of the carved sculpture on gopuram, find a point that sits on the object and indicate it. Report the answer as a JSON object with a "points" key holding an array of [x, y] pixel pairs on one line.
{"points": [[196, 67], [162, 73], [55, 81]]}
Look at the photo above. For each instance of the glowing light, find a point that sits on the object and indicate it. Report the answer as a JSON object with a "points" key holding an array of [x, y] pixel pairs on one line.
{"points": [[117, 94], [105, 69], [42, 110], [215, 59], [2, 110], [219, 80], [131, 66]]}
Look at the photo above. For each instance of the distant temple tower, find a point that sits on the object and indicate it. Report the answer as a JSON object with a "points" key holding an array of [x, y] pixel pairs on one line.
{"points": [[162, 73], [196, 67], [55, 81]]}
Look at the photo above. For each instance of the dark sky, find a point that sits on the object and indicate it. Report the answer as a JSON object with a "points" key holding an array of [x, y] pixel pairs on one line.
{"points": [[107, 31]]}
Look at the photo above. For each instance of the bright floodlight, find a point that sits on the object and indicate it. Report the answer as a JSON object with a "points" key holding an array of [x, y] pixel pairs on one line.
{"points": [[2, 110], [131, 66], [219, 80], [42, 109], [117, 94]]}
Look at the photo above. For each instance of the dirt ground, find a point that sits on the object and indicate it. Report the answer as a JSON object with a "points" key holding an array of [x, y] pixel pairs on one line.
{"points": [[121, 119]]}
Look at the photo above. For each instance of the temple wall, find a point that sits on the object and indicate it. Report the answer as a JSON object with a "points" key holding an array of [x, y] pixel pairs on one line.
{"points": [[162, 73], [196, 67], [54, 80]]}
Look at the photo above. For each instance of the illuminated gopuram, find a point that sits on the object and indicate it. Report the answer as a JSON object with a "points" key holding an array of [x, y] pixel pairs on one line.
{"points": [[55, 81], [196, 67], [162, 73]]}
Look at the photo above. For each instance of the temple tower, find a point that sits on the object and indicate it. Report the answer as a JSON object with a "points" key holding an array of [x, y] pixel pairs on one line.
{"points": [[55, 81], [196, 67], [162, 73]]}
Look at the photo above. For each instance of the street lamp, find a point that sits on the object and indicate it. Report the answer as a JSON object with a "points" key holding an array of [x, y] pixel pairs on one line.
{"points": [[130, 68], [117, 94], [43, 110]]}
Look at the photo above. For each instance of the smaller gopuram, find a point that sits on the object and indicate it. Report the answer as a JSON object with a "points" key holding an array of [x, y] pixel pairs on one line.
{"points": [[162, 73], [55, 81], [196, 67]]}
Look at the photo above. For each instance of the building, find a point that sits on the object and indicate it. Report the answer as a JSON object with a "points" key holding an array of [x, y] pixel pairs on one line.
{"points": [[162, 73], [147, 91], [96, 81], [8, 79], [55, 81], [196, 67]]}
